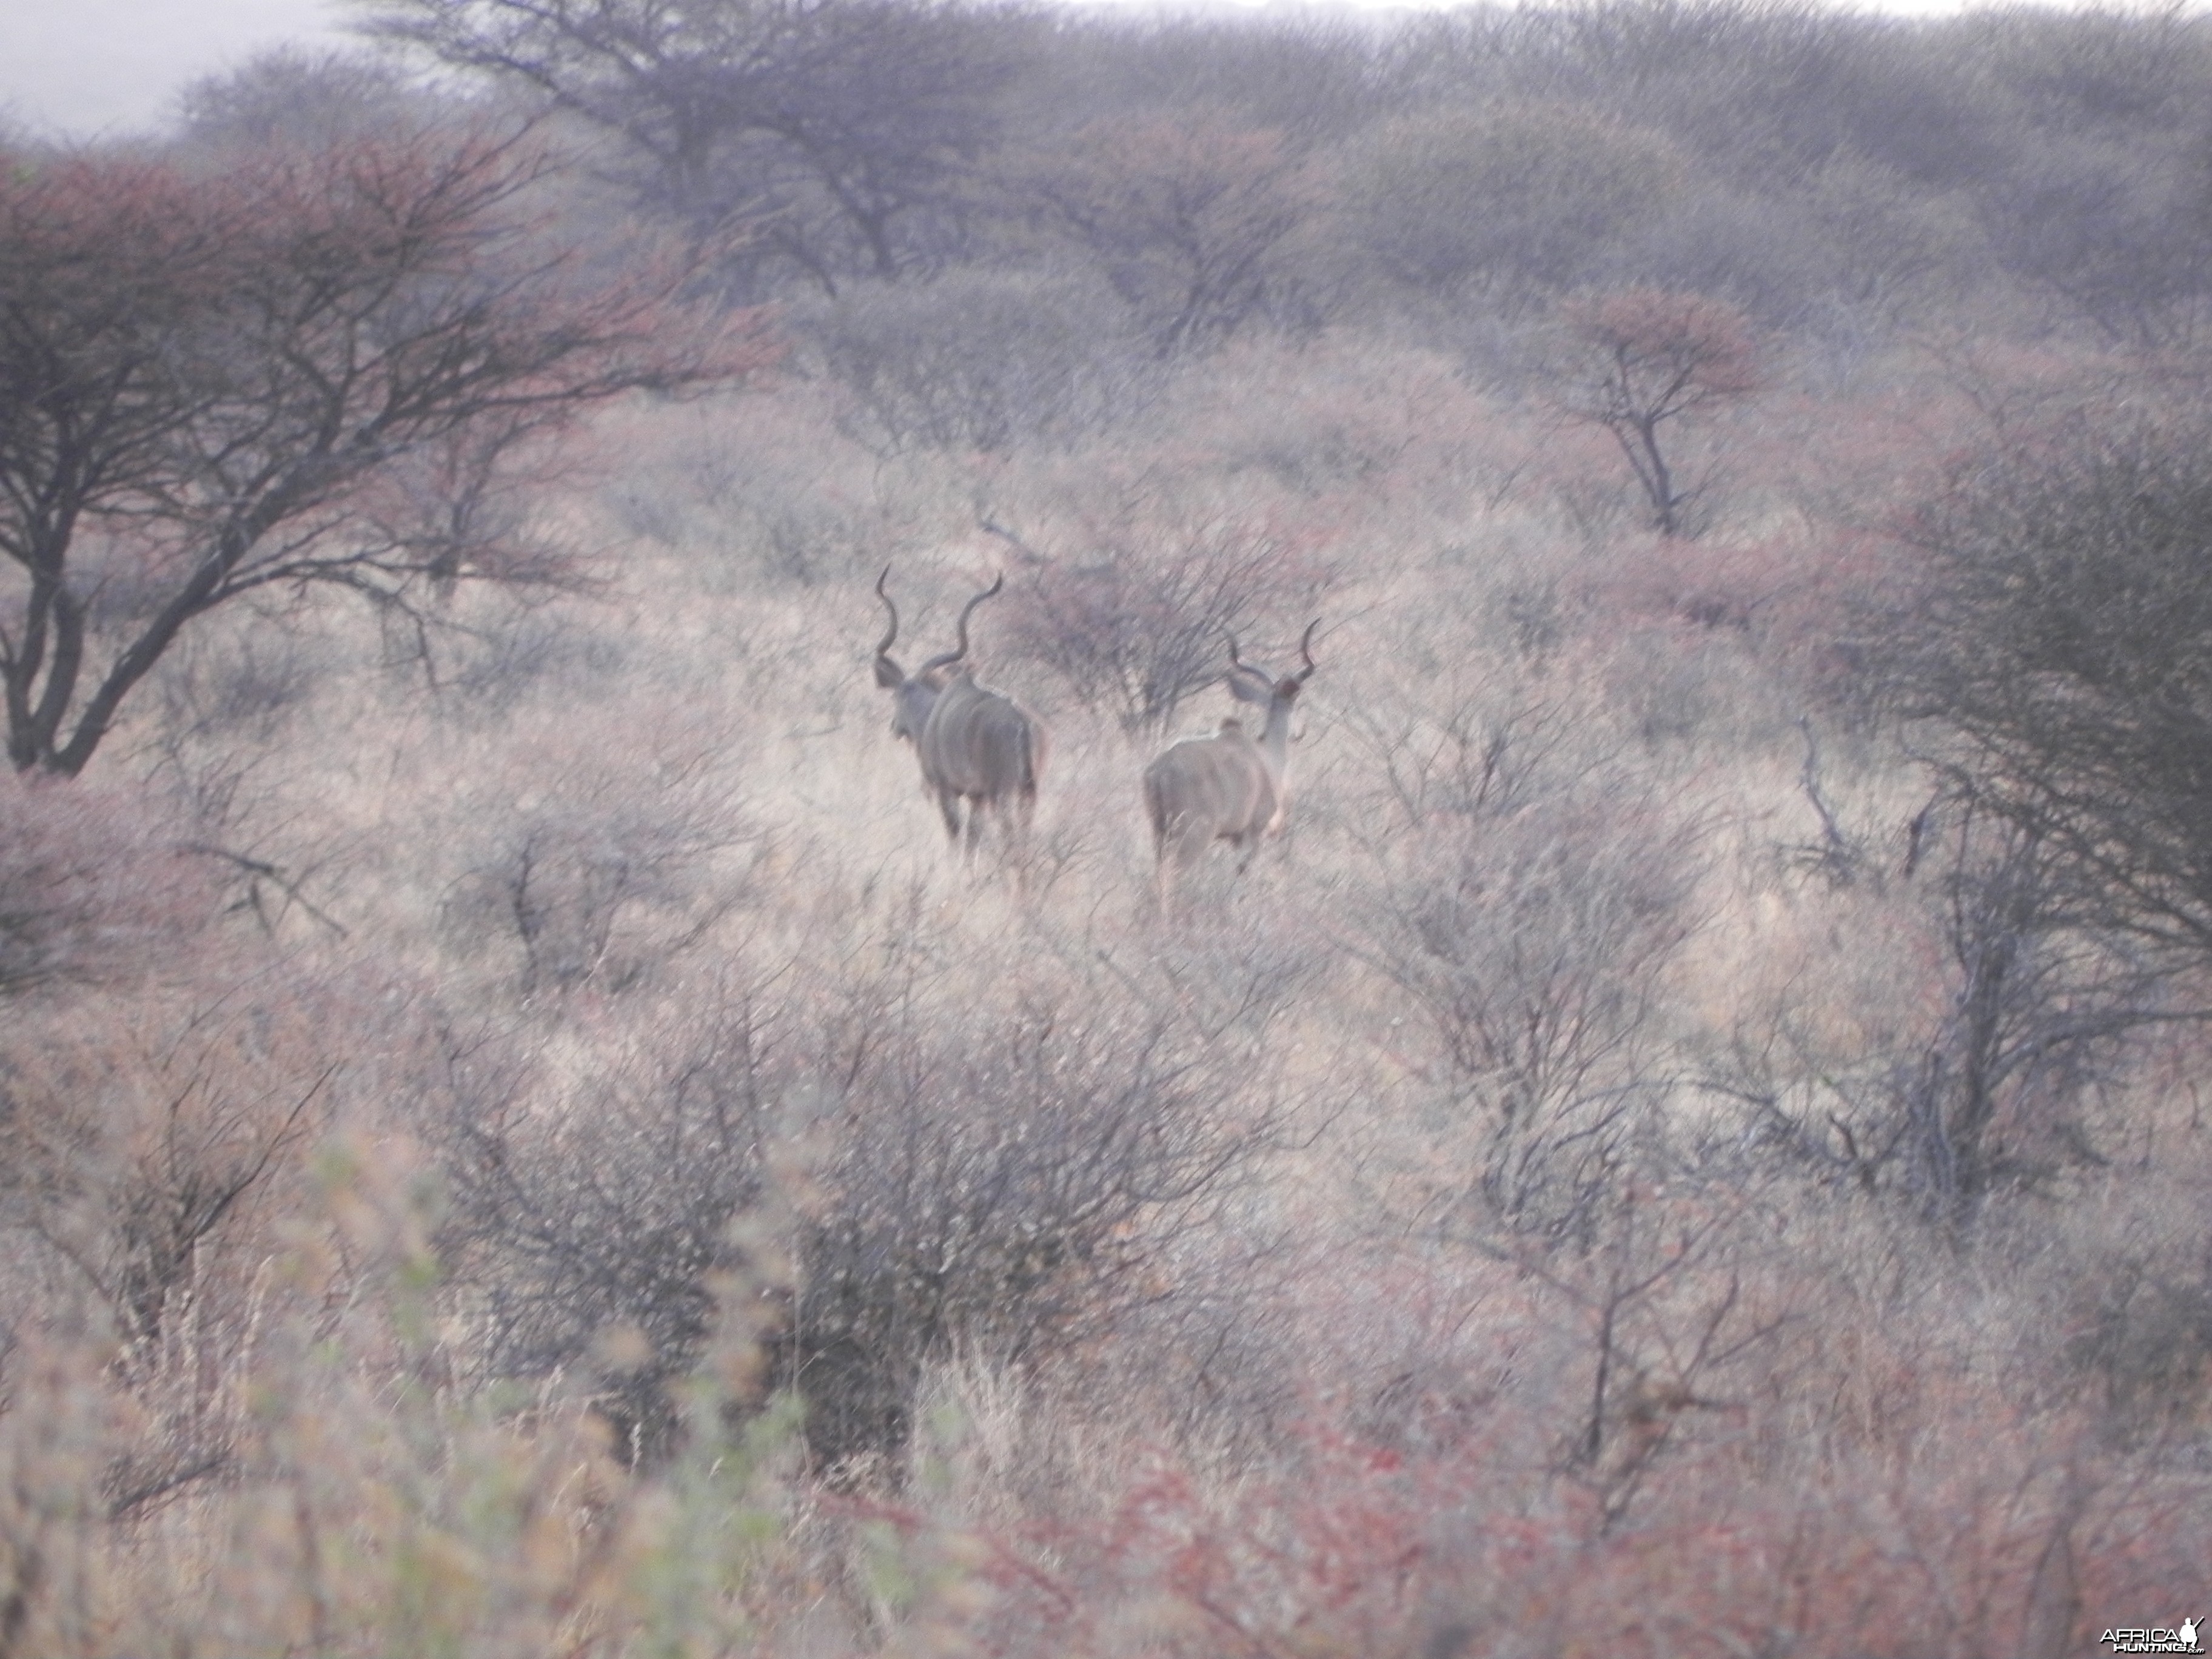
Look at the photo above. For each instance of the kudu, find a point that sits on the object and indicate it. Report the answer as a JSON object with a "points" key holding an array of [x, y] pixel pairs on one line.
{"points": [[974, 745], [1229, 787]]}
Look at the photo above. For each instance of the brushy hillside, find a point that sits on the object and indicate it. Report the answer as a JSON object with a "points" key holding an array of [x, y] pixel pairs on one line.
{"points": [[524, 1140]]}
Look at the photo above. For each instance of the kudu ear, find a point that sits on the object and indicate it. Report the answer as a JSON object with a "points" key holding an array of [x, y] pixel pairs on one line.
{"points": [[889, 674]]}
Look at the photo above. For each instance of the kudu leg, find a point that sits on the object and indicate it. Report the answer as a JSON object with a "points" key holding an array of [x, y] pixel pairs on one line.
{"points": [[1180, 850], [1019, 815]]}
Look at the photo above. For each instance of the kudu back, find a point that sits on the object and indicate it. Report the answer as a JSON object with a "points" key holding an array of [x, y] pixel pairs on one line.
{"points": [[977, 746], [1230, 786]]}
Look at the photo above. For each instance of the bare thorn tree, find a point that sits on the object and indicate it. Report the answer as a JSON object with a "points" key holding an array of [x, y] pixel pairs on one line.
{"points": [[1134, 623], [1649, 359], [1532, 945]]}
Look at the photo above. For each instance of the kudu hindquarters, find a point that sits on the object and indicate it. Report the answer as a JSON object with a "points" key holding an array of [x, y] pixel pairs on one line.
{"points": [[1230, 786]]}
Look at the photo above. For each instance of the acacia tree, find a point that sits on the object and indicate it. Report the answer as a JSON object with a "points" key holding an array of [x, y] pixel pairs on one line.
{"points": [[304, 371], [1512, 202], [1645, 359], [1188, 218], [2052, 653], [2044, 640], [822, 129]]}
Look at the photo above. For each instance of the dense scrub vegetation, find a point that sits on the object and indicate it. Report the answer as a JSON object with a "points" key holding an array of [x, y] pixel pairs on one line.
{"points": [[523, 1138]]}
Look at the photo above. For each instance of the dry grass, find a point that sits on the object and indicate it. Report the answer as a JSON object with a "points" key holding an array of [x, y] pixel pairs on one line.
{"points": [[1350, 1404]]}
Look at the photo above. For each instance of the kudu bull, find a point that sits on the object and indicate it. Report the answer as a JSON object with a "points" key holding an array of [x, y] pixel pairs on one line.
{"points": [[1228, 787], [974, 745]]}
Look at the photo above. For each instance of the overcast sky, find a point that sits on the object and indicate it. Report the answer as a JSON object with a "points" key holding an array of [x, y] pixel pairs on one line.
{"points": [[84, 68]]}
